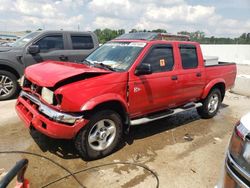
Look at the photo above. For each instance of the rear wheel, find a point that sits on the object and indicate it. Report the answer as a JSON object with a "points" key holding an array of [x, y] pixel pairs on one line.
{"points": [[101, 136], [211, 104], [9, 87]]}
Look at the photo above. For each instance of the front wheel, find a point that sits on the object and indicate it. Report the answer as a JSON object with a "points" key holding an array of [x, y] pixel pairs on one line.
{"points": [[101, 136], [211, 104], [9, 87]]}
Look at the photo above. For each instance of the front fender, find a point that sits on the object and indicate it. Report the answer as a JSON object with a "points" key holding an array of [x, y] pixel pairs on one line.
{"points": [[92, 103], [18, 68], [209, 86]]}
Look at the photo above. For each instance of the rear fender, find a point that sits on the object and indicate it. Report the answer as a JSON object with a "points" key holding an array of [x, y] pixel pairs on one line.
{"points": [[210, 85]]}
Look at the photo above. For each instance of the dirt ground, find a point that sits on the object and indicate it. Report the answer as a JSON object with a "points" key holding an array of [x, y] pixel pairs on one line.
{"points": [[184, 150]]}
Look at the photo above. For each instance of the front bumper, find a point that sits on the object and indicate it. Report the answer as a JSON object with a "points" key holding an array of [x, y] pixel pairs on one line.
{"points": [[235, 176], [51, 113], [45, 119]]}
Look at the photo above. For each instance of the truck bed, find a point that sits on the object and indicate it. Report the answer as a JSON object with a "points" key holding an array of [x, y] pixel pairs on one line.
{"points": [[221, 63], [223, 70]]}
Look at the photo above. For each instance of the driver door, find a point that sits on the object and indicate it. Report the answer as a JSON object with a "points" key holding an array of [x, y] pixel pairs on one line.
{"points": [[156, 91], [51, 48]]}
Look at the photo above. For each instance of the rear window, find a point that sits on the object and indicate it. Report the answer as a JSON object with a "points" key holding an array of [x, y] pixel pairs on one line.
{"points": [[188, 56], [82, 42]]}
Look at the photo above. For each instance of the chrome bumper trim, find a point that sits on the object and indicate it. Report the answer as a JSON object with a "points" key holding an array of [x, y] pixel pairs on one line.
{"points": [[238, 169], [53, 114]]}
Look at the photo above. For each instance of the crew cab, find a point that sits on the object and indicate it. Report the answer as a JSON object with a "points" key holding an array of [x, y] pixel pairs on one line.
{"points": [[37, 47], [131, 80]]}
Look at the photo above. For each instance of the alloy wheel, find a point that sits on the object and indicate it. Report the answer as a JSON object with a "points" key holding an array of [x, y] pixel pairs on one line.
{"points": [[102, 134], [6, 85], [213, 103]]}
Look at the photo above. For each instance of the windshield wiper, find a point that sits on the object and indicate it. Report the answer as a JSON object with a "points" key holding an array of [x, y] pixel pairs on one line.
{"points": [[86, 62], [104, 66]]}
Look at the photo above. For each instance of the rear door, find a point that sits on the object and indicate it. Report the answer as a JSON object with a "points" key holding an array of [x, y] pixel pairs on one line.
{"points": [[51, 48], [192, 75], [149, 93], [80, 46]]}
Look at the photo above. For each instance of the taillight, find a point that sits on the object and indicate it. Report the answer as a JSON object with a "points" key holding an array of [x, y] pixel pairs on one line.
{"points": [[236, 145], [238, 131], [241, 130]]}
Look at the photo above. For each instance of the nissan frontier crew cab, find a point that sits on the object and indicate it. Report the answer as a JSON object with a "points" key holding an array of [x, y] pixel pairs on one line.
{"points": [[131, 80]]}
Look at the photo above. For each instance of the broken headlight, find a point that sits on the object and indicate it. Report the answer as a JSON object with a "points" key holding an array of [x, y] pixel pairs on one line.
{"points": [[47, 95]]}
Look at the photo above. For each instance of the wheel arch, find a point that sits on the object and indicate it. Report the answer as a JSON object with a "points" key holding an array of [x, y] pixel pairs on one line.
{"points": [[114, 103], [8, 68], [218, 83]]}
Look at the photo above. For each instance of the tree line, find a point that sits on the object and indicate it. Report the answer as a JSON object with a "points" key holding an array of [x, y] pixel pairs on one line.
{"points": [[107, 34]]}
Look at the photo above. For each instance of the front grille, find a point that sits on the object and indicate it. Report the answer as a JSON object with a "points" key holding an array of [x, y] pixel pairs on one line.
{"points": [[35, 88], [32, 86], [26, 83]]}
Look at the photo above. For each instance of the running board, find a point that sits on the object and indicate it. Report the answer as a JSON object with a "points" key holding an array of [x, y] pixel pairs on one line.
{"points": [[147, 119]]}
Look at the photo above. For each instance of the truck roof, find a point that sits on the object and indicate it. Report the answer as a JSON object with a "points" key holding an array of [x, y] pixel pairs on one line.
{"points": [[149, 36], [63, 31], [152, 37]]}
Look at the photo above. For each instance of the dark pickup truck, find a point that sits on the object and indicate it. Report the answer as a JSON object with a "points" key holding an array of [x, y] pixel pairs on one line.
{"points": [[37, 47]]}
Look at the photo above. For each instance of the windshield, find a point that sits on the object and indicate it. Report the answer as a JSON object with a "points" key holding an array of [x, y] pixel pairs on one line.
{"points": [[117, 55], [24, 40]]}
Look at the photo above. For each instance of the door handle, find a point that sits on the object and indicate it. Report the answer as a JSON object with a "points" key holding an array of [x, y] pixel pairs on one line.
{"points": [[198, 74], [174, 77], [63, 58]]}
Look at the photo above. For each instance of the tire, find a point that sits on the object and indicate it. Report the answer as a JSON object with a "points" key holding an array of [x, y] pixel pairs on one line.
{"points": [[211, 104], [97, 139], [9, 87]]}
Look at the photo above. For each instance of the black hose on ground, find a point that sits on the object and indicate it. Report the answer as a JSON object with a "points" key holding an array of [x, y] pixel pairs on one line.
{"points": [[83, 170], [51, 160]]}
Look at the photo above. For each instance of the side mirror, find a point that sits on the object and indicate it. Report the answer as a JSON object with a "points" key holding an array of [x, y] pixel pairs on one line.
{"points": [[143, 69], [33, 49]]}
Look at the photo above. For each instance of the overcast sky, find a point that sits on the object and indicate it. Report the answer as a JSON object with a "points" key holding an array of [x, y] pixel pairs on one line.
{"points": [[228, 18]]}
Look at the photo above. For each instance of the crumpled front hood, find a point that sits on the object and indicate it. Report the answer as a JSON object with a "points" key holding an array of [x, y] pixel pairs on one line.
{"points": [[49, 73]]}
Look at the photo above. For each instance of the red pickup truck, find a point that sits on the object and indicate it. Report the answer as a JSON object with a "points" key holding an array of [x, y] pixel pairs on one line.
{"points": [[133, 79]]}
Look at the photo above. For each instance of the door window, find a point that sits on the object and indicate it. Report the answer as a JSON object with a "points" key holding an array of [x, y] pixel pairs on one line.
{"points": [[82, 42], [50, 43], [160, 58], [188, 57]]}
